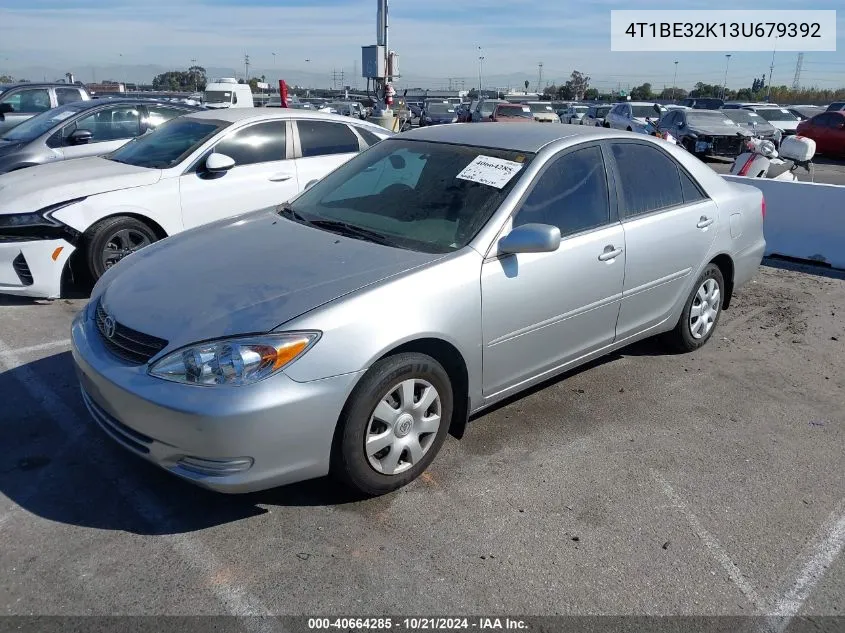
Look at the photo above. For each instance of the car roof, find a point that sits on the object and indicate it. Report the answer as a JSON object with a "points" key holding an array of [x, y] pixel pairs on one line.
{"points": [[521, 137], [235, 115]]}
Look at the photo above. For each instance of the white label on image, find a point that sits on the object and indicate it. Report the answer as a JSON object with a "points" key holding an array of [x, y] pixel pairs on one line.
{"points": [[488, 170]]}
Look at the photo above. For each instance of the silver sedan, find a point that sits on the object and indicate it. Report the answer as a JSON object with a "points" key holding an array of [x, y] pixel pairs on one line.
{"points": [[437, 273]]}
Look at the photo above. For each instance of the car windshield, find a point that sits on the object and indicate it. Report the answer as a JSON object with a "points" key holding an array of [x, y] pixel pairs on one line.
{"points": [[168, 144], [34, 127], [440, 108], [777, 114], [602, 112], [430, 197], [540, 107], [522, 112], [643, 111], [218, 96], [745, 116], [705, 117]]}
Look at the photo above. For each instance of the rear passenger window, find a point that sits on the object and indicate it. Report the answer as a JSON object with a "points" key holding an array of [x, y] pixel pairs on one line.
{"points": [[318, 138], [692, 192], [571, 194], [648, 178], [370, 138]]}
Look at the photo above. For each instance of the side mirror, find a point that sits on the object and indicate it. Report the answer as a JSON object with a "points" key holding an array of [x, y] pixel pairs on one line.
{"points": [[5, 108], [80, 137], [681, 124], [219, 163], [531, 238], [656, 108]]}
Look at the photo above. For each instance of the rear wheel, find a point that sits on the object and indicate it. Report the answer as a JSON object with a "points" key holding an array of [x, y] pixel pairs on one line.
{"points": [[112, 239], [701, 312], [393, 425]]}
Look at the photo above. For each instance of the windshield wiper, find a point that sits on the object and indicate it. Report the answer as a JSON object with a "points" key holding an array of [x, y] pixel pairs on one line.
{"points": [[350, 230], [287, 211]]}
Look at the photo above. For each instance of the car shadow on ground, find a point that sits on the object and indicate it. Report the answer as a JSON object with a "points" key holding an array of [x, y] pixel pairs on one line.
{"points": [[58, 465], [804, 266]]}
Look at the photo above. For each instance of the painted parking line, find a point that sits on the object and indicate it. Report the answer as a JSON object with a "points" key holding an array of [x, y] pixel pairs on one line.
{"points": [[713, 546], [23, 351], [236, 599]]}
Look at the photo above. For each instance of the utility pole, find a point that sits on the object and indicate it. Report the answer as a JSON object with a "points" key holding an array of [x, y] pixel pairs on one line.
{"points": [[771, 70], [246, 68], [674, 81], [275, 76], [480, 72], [193, 64], [796, 81], [725, 84], [540, 78]]}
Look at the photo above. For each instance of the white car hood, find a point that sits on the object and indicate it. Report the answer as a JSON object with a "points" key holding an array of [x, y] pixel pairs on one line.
{"points": [[34, 188], [785, 125]]}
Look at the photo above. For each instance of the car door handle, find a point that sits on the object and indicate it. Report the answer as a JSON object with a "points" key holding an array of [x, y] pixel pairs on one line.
{"points": [[280, 177], [610, 253], [704, 222]]}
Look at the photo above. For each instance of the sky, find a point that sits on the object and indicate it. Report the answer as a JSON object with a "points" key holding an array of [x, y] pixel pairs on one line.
{"points": [[437, 40]]}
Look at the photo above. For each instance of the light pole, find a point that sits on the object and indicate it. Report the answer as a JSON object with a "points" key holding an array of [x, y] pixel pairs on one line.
{"points": [[480, 72], [725, 85], [674, 81], [771, 70], [194, 73], [274, 66]]}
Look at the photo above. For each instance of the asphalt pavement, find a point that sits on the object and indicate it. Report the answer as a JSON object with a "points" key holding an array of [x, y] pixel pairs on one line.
{"points": [[647, 483]]}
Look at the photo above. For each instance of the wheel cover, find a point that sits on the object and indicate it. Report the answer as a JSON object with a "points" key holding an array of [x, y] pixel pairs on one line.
{"points": [[403, 426], [122, 243], [705, 308]]}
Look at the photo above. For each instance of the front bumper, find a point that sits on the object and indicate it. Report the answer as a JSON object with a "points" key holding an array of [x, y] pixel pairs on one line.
{"points": [[227, 439], [727, 146], [33, 268]]}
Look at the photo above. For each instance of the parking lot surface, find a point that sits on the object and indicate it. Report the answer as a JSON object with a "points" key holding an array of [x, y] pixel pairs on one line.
{"points": [[710, 483]]}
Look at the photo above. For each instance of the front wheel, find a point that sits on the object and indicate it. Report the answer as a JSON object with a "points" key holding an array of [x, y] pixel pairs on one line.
{"points": [[701, 311], [112, 239], [393, 424]]}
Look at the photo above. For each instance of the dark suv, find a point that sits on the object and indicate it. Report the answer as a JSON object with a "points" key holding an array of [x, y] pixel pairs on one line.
{"points": [[703, 103], [18, 102]]}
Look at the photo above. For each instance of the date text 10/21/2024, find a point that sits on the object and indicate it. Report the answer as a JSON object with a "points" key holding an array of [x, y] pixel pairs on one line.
{"points": [[416, 623]]}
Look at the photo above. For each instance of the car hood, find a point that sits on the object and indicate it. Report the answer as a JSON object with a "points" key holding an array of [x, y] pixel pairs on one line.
{"points": [[785, 125], [717, 129], [9, 147], [36, 187], [243, 275]]}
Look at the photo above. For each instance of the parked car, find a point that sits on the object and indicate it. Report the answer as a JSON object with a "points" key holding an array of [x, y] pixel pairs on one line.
{"points": [[543, 111], [437, 113], [462, 112], [19, 102], [192, 170], [804, 112], [595, 115], [702, 103], [827, 130], [83, 128], [733, 105], [705, 132], [754, 123], [632, 116], [228, 93], [278, 358], [574, 113], [512, 113], [484, 109], [836, 106], [781, 118]]}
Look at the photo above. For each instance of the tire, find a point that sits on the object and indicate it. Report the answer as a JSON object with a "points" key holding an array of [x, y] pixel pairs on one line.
{"points": [[380, 389], [120, 234], [687, 335]]}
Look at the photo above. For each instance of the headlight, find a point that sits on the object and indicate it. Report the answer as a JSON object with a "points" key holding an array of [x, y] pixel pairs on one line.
{"points": [[234, 361], [43, 217]]}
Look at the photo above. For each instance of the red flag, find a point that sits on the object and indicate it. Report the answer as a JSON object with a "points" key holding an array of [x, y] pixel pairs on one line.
{"points": [[283, 93]]}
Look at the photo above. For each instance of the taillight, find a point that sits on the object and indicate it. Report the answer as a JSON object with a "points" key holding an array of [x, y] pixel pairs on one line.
{"points": [[763, 208]]}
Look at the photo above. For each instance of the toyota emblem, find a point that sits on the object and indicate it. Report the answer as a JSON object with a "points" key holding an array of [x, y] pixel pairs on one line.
{"points": [[109, 327]]}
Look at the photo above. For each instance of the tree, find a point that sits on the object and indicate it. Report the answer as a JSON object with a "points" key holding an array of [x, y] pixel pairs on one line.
{"points": [[672, 93], [566, 92], [181, 81], [6, 79], [577, 85], [550, 91], [642, 93], [591, 94], [472, 94]]}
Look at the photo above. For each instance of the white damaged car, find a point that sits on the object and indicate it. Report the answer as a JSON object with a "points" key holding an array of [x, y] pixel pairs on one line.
{"points": [[192, 170]]}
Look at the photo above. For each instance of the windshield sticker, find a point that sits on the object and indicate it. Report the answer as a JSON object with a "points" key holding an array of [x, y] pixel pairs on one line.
{"points": [[487, 170], [61, 116]]}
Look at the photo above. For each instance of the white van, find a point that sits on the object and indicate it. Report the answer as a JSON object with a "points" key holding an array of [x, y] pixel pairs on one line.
{"points": [[228, 93]]}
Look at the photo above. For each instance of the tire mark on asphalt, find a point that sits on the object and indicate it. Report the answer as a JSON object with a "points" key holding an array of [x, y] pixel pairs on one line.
{"points": [[716, 550], [236, 599]]}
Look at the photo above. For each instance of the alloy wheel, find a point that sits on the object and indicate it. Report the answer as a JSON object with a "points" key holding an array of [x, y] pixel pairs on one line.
{"points": [[122, 243]]}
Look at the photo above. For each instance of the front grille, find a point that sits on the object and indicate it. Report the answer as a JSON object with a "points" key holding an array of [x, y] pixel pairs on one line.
{"points": [[727, 145], [118, 431], [127, 344], [22, 270]]}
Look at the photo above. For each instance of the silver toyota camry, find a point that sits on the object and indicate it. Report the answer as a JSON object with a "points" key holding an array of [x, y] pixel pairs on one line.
{"points": [[442, 270]]}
